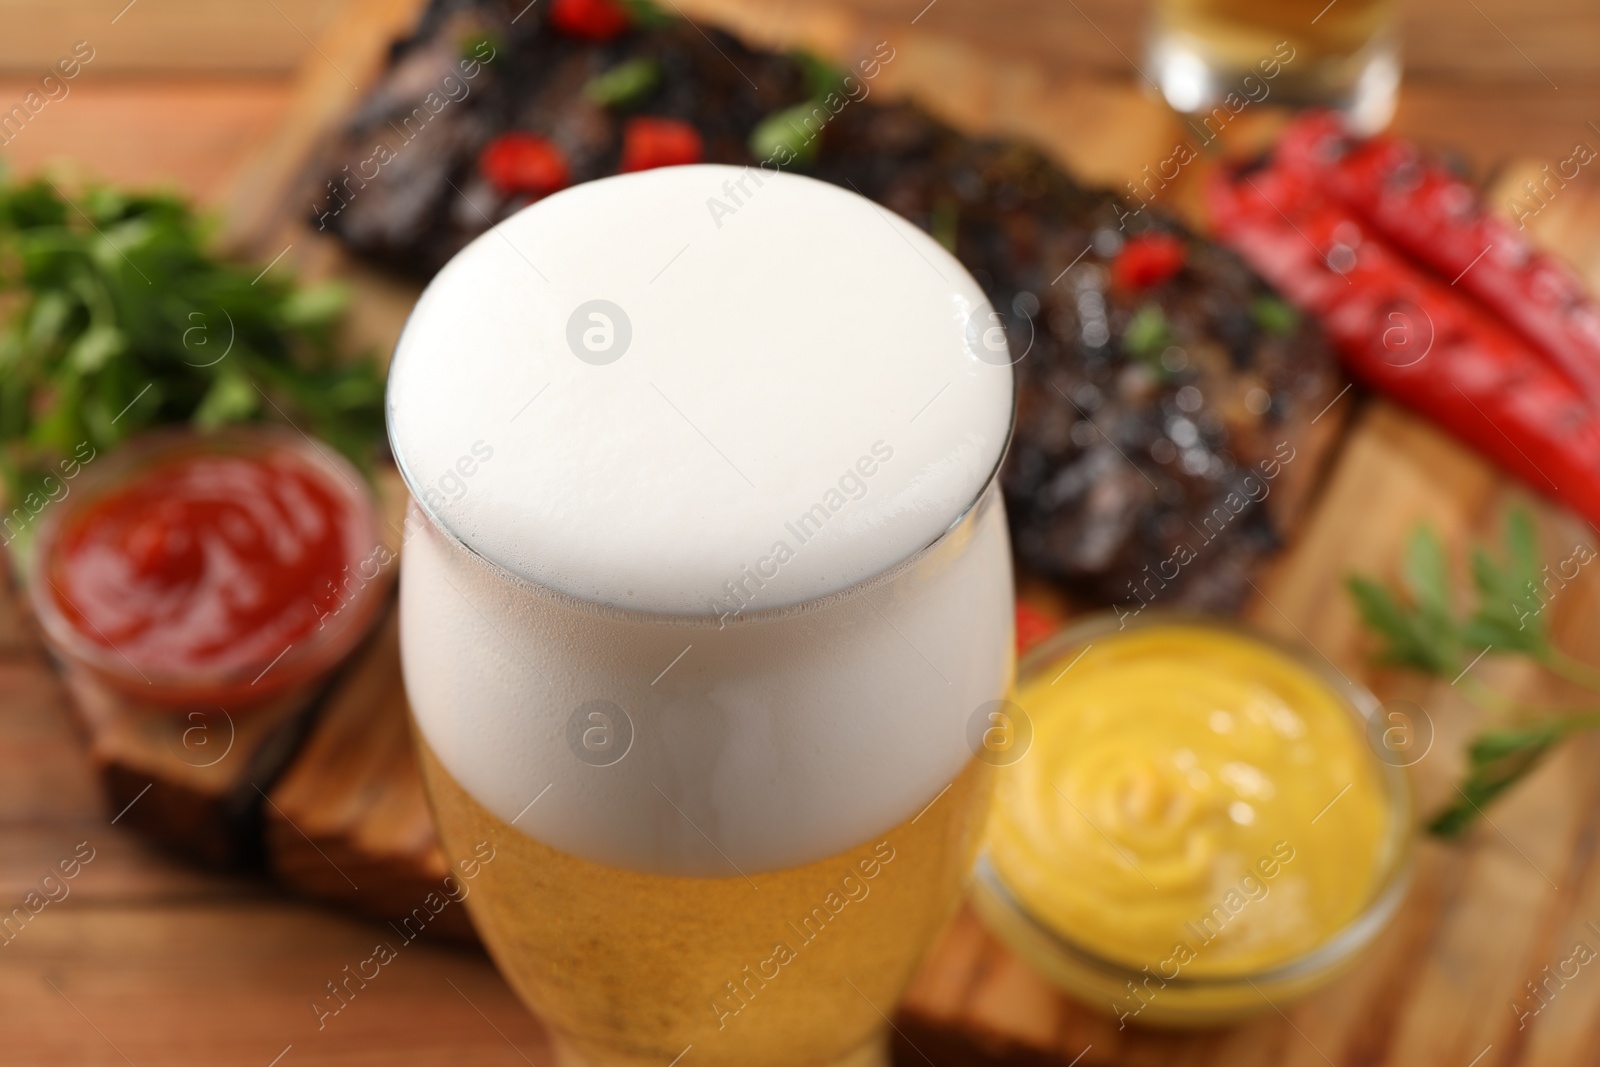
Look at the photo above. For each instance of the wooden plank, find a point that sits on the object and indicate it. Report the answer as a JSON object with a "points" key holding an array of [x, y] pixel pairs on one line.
{"points": [[349, 822], [122, 870], [45, 776], [1565, 219], [106, 129], [235, 985], [168, 36], [189, 780]]}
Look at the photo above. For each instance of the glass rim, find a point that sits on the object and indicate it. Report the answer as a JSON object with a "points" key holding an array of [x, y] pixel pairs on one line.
{"points": [[967, 516], [304, 659], [1342, 945]]}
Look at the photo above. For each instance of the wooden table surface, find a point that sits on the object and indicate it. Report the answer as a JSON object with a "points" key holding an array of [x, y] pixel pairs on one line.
{"points": [[148, 962]]}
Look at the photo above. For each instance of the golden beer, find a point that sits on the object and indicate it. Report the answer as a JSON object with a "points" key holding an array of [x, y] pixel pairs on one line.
{"points": [[793, 968]]}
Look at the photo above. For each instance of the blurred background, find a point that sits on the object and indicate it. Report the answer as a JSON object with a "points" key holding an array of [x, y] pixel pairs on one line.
{"points": [[180, 91]]}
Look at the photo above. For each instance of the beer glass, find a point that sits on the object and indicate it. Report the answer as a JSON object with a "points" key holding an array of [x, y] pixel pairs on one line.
{"points": [[1213, 58], [709, 821]]}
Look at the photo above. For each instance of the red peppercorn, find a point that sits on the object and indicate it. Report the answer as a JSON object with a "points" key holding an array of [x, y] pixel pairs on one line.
{"points": [[1146, 260], [523, 164], [653, 142], [593, 20]]}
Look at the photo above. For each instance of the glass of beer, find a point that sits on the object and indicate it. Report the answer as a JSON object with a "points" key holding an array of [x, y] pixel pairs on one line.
{"points": [[1208, 55], [705, 593]]}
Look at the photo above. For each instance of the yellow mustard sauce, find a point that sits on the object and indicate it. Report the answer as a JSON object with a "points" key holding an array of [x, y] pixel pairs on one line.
{"points": [[1194, 801]]}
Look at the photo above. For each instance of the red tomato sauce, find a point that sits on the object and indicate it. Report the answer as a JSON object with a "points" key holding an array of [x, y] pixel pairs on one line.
{"points": [[206, 563]]}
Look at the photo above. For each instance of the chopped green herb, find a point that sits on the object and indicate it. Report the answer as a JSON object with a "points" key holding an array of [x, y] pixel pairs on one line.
{"points": [[787, 132], [1274, 315], [625, 84], [1147, 334]]}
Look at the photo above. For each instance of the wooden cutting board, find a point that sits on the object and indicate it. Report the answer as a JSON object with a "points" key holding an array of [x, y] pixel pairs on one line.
{"points": [[346, 820]]}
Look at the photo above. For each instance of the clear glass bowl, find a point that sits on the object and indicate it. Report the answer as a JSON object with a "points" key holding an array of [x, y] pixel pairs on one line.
{"points": [[238, 686], [1204, 1000]]}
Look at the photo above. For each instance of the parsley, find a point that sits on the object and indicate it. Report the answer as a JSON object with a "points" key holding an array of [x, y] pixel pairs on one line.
{"points": [[119, 319], [1414, 620], [1497, 760], [1421, 625]]}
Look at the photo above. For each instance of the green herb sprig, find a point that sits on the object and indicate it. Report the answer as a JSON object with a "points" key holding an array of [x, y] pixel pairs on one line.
{"points": [[118, 318], [1422, 626]]}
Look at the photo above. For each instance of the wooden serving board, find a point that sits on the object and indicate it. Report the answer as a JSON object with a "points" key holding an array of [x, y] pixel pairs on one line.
{"points": [[346, 820]]}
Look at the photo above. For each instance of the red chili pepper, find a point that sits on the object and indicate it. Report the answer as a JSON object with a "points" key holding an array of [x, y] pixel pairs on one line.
{"points": [[1033, 626], [1430, 214], [1412, 335], [1146, 260], [648, 143], [592, 20], [523, 164]]}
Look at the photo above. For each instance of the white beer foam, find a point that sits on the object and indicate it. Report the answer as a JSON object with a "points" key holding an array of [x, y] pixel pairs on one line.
{"points": [[768, 350], [758, 746], [805, 374]]}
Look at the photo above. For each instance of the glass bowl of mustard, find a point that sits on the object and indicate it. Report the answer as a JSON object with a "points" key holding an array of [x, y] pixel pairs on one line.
{"points": [[1191, 825]]}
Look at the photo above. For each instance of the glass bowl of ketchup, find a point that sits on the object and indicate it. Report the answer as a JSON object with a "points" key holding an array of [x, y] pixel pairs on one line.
{"points": [[219, 569]]}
